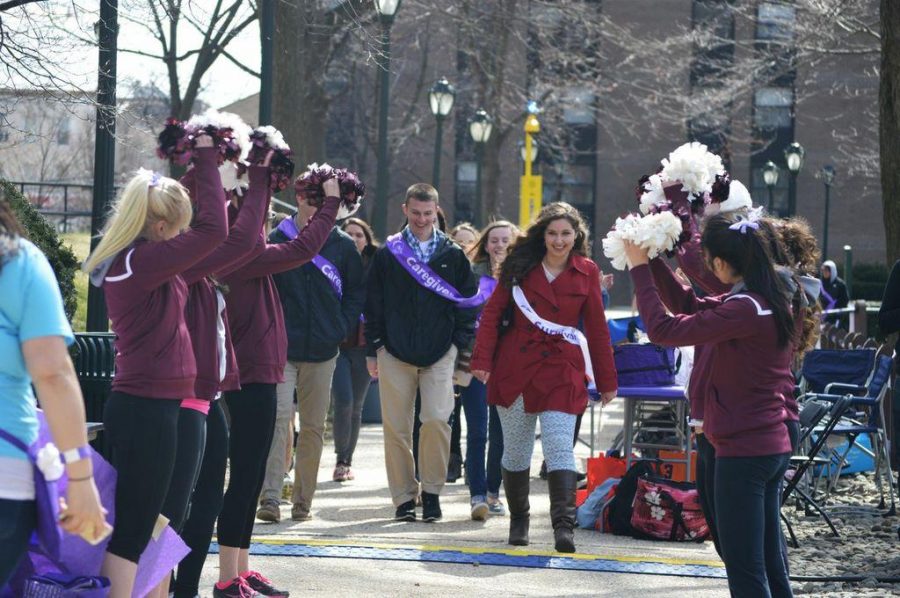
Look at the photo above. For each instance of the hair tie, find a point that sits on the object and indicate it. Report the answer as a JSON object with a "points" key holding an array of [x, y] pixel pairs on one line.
{"points": [[751, 220], [155, 177]]}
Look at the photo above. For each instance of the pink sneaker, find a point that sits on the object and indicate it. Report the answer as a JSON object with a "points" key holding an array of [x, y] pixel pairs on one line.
{"points": [[263, 586], [342, 473], [236, 588]]}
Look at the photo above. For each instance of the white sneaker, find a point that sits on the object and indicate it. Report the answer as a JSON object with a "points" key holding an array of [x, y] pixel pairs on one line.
{"points": [[480, 508]]}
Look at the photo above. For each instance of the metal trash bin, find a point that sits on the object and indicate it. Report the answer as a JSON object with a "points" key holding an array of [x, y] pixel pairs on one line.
{"points": [[94, 356]]}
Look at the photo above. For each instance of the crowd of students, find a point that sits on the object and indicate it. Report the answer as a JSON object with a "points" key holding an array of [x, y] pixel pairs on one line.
{"points": [[211, 316]]}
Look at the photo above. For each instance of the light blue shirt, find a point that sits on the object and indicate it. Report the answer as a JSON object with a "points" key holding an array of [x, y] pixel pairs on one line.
{"points": [[31, 307]]}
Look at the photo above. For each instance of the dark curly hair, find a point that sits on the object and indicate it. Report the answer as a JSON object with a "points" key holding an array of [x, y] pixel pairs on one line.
{"points": [[529, 249], [801, 245], [794, 246]]}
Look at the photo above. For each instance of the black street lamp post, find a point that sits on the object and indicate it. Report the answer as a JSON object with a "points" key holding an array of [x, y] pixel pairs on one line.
{"points": [[480, 127], [793, 157], [440, 98], [104, 149], [828, 173], [266, 35], [770, 177], [387, 9]]}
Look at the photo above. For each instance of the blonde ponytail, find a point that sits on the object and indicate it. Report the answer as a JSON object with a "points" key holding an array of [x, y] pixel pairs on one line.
{"points": [[138, 206]]}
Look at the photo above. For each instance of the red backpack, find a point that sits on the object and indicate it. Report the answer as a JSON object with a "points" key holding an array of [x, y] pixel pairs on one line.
{"points": [[667, 510]]}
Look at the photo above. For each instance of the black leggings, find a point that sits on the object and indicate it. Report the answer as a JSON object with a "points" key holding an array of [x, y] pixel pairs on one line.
{"points": [[191, 440], [206, 503], [143, 436], [252, 414]]}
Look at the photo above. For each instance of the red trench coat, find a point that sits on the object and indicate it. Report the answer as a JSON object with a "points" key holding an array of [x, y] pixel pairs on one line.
{"points": [[548, 371]]}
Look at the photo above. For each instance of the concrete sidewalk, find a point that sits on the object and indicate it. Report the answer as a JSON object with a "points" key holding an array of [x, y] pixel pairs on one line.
{"points": [[361, 512]]}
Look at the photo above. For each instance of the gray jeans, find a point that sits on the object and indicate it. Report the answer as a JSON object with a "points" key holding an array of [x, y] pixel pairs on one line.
{"points": [[348, 393], [557, 430]]}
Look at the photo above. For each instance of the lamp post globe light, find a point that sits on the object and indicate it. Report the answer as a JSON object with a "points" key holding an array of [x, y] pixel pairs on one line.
{"points": [[793, 158], [480, 127], [770, 177], [534, 152], [440, 99], [387, 10], [828, 173]]}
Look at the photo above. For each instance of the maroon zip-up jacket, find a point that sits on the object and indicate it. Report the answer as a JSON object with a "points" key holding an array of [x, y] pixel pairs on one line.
{"points": [[671, 291], [745, 407], [146, 296], [254, 308], [201, 312]]}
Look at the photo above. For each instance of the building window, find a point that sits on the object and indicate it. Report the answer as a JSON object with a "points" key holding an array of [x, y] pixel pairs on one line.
{"points": [[775, 21], [62, 133], [772, 108], [578, 106]]}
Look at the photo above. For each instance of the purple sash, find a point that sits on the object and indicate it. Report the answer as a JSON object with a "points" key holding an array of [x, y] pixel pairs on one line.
{"points": [[329, 270], [489, 284], [428, 279], [71, 555]]}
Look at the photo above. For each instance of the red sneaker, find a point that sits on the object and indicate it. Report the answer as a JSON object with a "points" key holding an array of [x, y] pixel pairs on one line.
{"points": [[263, 586]]}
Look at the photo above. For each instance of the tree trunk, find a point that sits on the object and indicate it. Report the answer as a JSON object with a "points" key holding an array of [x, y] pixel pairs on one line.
{"points": [[300, 103], [889, 104]]}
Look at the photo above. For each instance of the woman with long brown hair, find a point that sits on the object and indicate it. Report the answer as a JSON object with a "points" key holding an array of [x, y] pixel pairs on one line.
{"points": [[539, 367], [483, 426]]}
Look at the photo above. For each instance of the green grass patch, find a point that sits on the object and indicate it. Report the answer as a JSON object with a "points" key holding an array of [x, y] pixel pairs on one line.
{"points": [[80, 243]]}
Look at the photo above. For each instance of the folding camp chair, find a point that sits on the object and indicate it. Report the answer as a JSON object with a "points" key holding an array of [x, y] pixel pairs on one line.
{"points": [[817, 419], [866, 401], [827, 366]]}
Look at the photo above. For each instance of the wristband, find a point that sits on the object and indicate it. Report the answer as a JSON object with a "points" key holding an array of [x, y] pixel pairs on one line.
{"points": [[75, 454]]}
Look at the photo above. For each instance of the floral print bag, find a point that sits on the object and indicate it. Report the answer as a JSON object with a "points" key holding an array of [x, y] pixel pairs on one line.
{"points": [[667, 510]]}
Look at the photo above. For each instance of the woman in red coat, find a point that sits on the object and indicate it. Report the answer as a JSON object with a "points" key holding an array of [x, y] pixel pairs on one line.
{"points": [[539, 365]]}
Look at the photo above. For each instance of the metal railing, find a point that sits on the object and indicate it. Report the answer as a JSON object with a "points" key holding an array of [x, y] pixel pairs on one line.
{"points": [[81, 195]]}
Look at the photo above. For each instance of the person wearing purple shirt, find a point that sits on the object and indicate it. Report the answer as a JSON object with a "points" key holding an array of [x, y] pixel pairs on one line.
{"points": [[751, 333], [138, 264], [256, 323]]}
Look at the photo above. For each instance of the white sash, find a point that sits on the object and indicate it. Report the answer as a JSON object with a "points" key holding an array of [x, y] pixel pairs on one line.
{"points": [[569, 333]]}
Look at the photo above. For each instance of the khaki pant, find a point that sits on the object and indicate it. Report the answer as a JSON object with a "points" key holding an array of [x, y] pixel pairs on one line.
{"points": [[312, 381], [397, 384]]}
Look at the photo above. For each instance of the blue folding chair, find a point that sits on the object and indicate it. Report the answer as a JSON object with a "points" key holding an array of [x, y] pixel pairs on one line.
{"points": [[867, 400], [824, 367]]}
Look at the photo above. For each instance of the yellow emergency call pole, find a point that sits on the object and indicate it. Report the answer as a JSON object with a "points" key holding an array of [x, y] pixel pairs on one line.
{"points": [[531, 186]]}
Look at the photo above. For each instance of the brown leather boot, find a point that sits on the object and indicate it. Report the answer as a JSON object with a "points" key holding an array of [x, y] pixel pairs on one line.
{"points": [[516, 485], [562, 485]]}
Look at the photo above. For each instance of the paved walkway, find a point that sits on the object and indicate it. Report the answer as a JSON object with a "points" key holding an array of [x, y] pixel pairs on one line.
{"points": [[359, 513]]}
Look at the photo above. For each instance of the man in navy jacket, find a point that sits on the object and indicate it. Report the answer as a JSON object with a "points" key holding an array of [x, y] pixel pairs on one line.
{"points": [[322, 301]]}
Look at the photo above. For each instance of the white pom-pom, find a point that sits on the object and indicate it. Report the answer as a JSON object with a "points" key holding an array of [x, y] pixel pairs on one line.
{"points": [[694, 166], [228, 172], [653, 195], [657, 233], [225, 120], [274, 138], [49, 463], [613, 244]]}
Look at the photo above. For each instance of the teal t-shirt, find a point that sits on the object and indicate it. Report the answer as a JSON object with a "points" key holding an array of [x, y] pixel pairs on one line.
{"points": [[30, 307]]}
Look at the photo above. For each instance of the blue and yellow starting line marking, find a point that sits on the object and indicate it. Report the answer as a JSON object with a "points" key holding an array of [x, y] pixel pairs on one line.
{"points": [[500, 557]]}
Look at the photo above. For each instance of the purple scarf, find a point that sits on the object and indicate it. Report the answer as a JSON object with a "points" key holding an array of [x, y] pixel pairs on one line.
{"points": [[428, 278], [329, 270]]}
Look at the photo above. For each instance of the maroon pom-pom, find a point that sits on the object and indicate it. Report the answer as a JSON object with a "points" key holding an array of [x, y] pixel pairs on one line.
{"points": [[281, 166], [720, 188], [173, 142]]}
